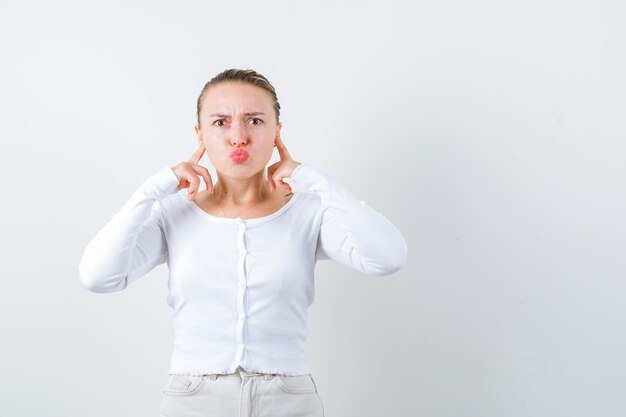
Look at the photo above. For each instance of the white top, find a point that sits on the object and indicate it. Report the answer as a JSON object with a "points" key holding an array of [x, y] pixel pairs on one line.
{"points": [[240, 288]]}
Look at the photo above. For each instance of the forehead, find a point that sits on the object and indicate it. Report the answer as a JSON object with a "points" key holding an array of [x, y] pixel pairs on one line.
{"points": [[231, 96]]}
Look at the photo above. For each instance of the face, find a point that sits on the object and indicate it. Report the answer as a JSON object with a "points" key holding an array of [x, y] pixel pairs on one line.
{"points": [[237, 116]]}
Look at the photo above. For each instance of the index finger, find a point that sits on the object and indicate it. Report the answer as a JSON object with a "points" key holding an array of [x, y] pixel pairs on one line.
{"points": [[282, 150], [197, 154]]}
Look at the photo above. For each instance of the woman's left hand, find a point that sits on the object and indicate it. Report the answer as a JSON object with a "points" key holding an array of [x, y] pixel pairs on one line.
{"points": [[281, 169]]}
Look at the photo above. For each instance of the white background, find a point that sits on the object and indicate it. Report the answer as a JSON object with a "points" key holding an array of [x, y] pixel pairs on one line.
{"points": [[490, 133]]}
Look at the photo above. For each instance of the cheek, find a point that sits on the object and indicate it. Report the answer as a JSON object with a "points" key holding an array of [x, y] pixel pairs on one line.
{"points": [[213, 150], [214, 142], [267, 153]]}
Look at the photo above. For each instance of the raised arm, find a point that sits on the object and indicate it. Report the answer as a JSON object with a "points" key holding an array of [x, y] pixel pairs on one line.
{"points": [[133, 242], [352, 232]]}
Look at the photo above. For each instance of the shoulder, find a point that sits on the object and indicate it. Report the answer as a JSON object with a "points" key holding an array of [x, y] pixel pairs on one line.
{"points": [[306, 205]]}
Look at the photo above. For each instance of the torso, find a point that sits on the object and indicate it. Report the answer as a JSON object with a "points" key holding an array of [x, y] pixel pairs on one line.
{"points": [[275, 202]]}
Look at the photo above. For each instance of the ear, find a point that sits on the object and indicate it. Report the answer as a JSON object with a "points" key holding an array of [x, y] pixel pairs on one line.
{"points": [[280, 125], [198, 133]]}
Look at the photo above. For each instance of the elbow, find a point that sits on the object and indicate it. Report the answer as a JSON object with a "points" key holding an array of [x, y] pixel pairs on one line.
{"points": [[387, 269], [86, 278], [396, 266], [393, 261], [97, 283]]}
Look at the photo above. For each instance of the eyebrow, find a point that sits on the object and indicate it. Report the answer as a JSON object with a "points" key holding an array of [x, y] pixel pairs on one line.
{"points": [[255, 113]]}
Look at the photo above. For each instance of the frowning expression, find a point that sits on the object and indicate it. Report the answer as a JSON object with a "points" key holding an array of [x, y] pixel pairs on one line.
{"points": [[238, 128]]}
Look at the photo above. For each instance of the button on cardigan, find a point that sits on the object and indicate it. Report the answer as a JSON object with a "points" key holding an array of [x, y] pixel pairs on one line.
{"points": [[240, 288]]}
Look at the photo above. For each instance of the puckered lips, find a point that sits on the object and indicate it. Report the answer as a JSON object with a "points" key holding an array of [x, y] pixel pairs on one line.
{"points": [[239, 155]]}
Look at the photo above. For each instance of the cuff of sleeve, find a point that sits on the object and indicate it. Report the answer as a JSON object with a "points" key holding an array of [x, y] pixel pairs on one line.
{"points": [[168, 172], [306, 178], [161, 184], [295, 171], [167, 179]]}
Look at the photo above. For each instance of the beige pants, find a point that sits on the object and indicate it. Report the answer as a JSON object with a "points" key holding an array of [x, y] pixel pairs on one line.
{"points": [[242, 394]]}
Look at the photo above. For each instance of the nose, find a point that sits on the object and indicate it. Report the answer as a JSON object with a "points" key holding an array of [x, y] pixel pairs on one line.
{"points": [[239, 134]]}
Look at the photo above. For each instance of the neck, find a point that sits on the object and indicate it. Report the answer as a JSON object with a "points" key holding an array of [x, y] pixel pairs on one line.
{"points": [[240, 192]]}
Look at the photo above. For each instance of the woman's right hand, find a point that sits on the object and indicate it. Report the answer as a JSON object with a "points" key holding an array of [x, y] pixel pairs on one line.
{"points": [[188, 171]]}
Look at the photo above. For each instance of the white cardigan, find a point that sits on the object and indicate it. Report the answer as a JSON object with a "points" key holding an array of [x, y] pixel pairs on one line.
{"points": [[240, 288]]}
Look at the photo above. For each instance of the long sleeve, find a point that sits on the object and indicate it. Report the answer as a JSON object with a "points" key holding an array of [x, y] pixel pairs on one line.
{"points": [[352, 233], [133, 242]]}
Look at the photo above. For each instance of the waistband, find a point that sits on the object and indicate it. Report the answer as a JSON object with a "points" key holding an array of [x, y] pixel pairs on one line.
{"points": [[241, 372]]}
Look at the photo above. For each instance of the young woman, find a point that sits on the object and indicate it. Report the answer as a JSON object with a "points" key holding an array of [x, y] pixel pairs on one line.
{"points": [[241, 256]]}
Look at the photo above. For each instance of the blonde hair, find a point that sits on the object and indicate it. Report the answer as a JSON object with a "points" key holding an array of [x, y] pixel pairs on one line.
{"points": [[247, 76]]}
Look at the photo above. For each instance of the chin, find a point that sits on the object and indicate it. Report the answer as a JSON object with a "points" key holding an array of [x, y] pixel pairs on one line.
{"points": [[242, 170]]}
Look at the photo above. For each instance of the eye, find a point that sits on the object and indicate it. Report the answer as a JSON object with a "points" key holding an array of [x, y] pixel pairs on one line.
{"points": [[218, 120], [259, 120]]}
